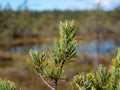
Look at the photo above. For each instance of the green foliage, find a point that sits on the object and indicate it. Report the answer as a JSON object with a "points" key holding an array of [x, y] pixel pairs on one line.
{"points": [[63, 52], [52, 68], [103, 79], [7, 85]]}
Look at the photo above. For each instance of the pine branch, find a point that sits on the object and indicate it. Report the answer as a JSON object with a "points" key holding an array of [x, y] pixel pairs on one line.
{"points": [[46, 82], [64, 51], [103, 79], [7, 85]]}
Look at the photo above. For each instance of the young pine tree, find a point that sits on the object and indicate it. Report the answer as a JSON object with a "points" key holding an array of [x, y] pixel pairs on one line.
{"points": [[63, 52], [103, 79], [7, 85]]}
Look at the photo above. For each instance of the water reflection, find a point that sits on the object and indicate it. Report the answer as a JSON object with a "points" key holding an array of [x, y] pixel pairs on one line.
{"points": [[105, 47], [26, 49]]}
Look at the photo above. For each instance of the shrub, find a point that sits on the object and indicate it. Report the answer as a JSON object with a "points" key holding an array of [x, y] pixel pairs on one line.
{"points": [[7, 85], [102, 79]]}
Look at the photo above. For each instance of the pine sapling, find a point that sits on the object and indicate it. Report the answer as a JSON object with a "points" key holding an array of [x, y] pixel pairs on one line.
{"points": [[102, 79], [7, 85], [63, 52]]}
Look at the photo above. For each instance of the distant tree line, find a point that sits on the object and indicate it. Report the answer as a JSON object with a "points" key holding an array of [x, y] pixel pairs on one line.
{"points": [[19, 24]]}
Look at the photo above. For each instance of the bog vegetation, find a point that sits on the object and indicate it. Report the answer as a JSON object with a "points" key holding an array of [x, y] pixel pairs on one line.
{"points": [[64, 52], [17, 25], [24, 27]]}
